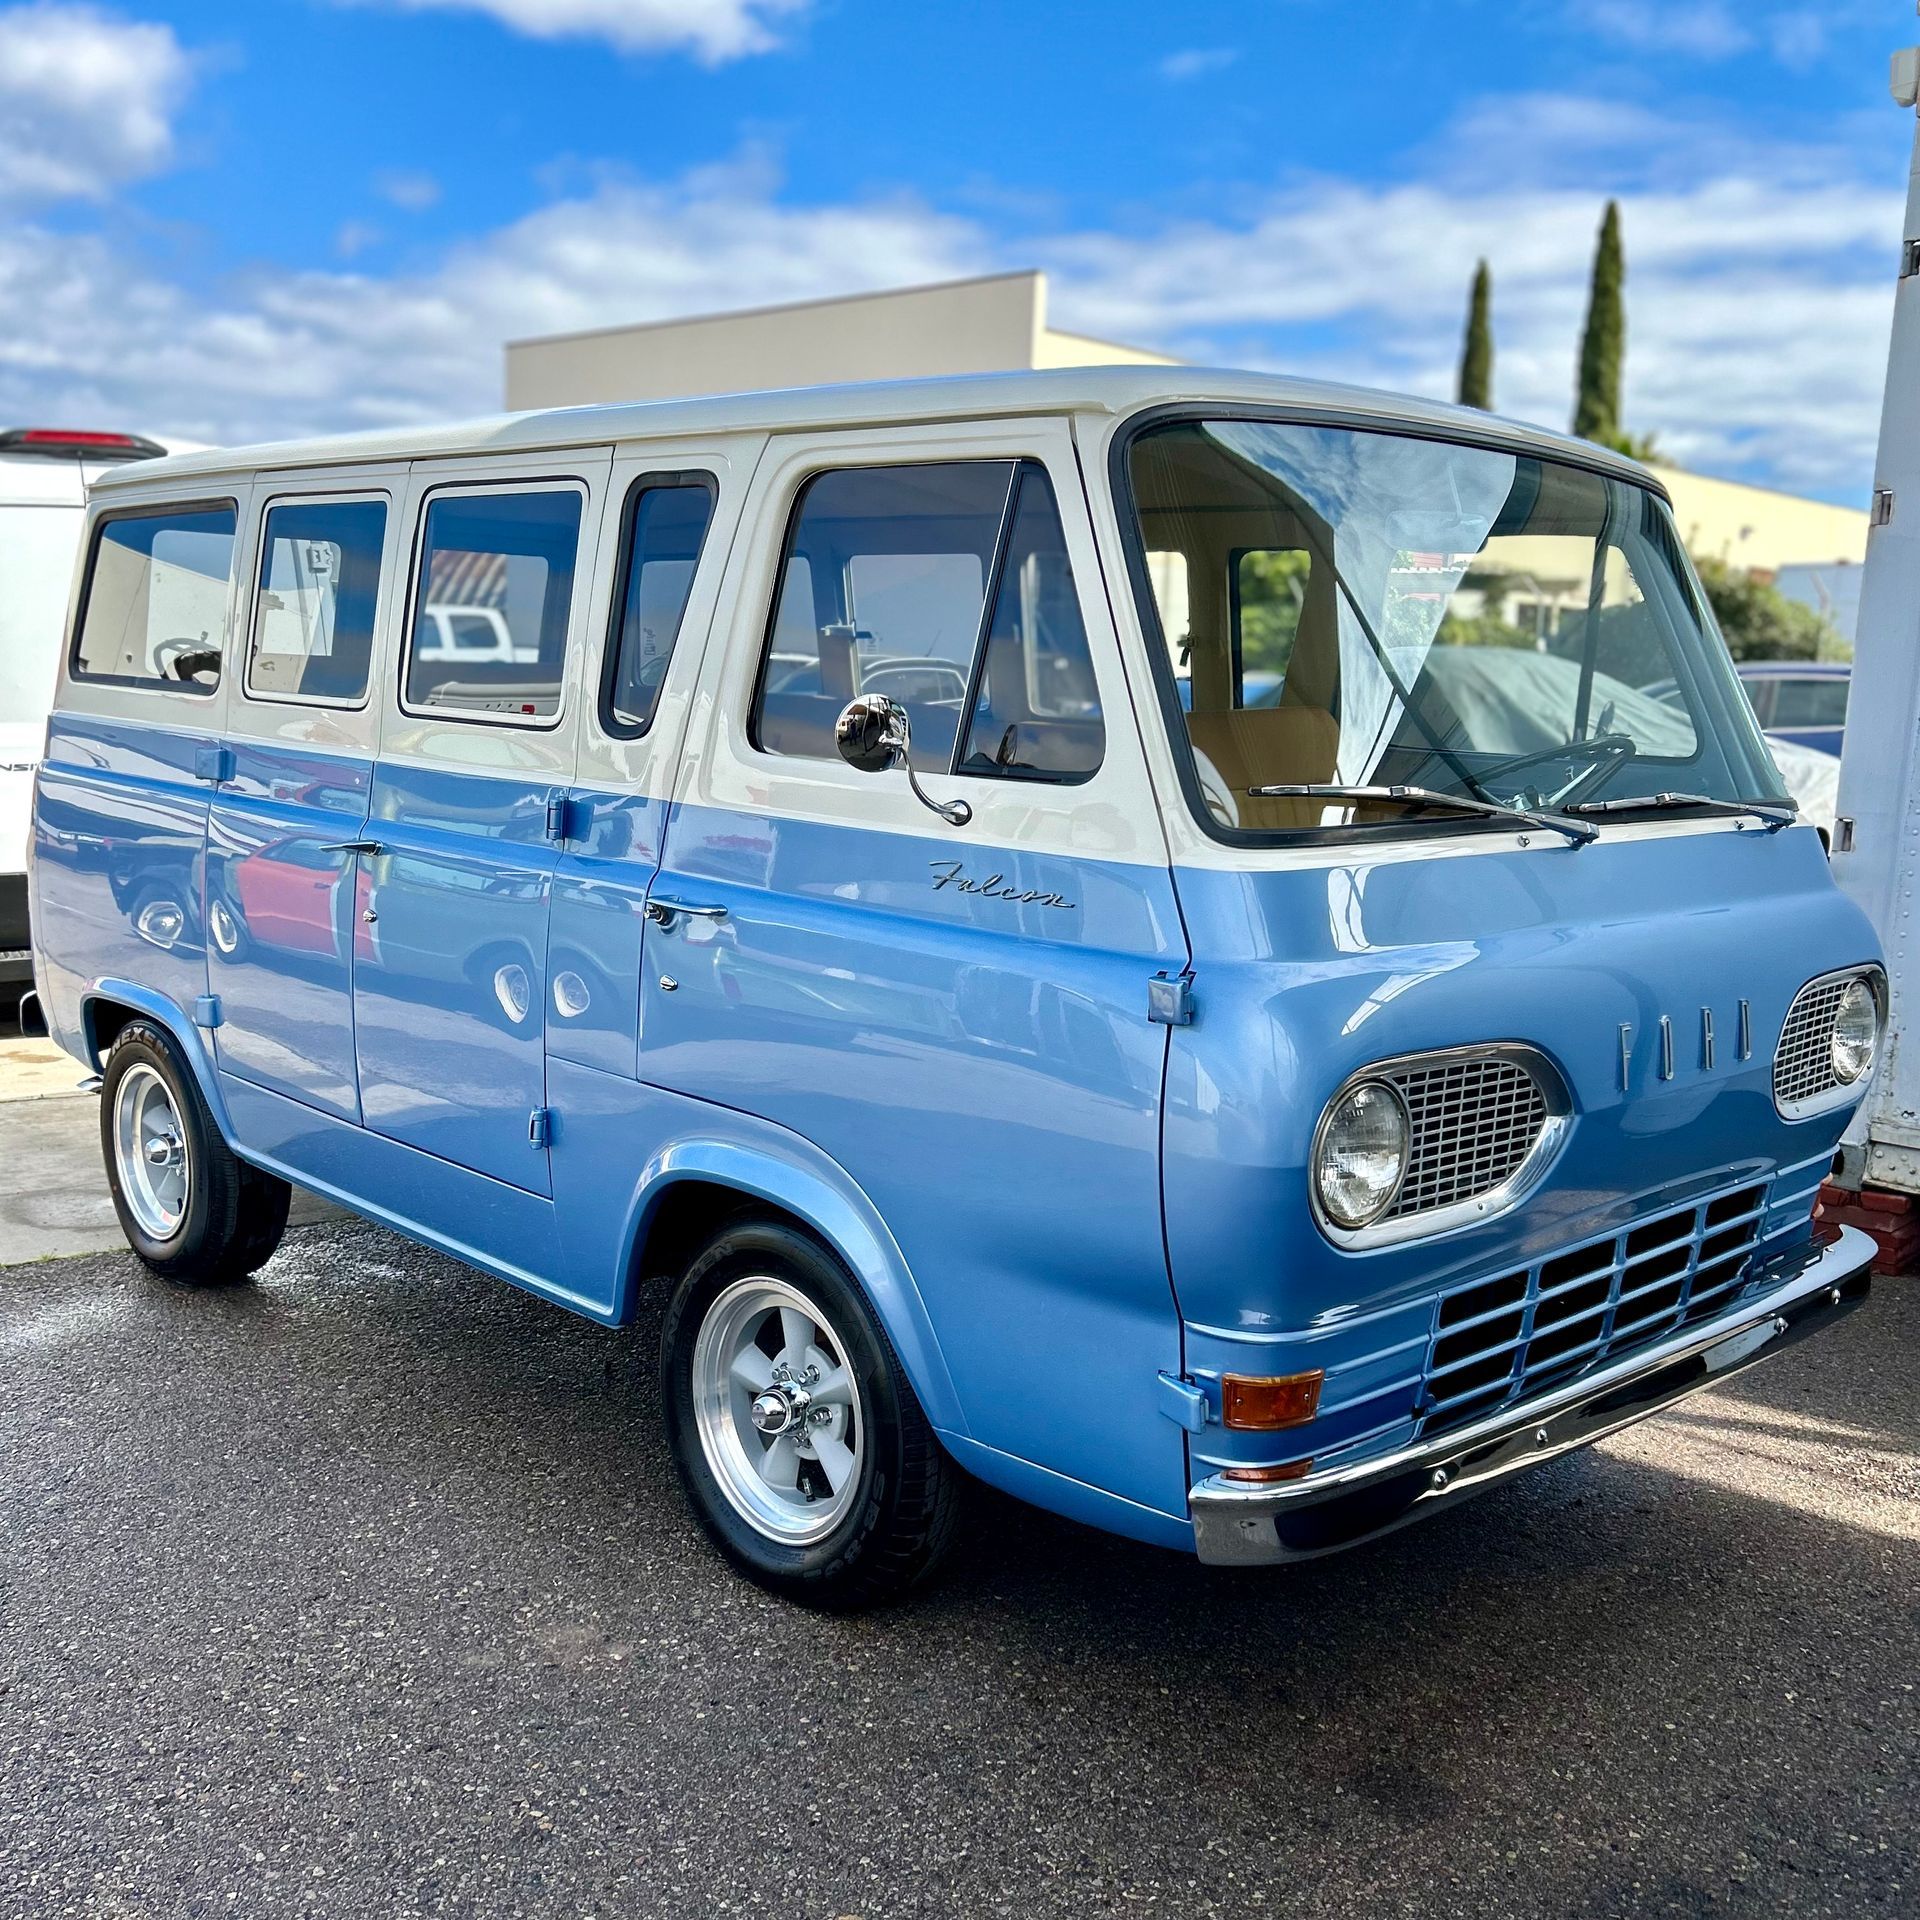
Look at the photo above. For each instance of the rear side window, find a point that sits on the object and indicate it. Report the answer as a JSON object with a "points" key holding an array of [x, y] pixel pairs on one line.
{"points": [[946, 588], [156, 599], [666, 526], [1810, 702], [494, 596], [319, 587]]}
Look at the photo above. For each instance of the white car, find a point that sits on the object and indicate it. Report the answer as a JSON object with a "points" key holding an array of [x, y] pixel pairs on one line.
{"points": [[44, 475]]}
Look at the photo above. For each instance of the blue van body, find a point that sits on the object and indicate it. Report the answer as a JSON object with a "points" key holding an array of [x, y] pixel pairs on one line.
{"points": [[1054, 1109]]}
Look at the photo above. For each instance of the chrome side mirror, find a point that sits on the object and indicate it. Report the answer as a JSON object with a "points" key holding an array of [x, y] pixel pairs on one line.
{"points": [[873, 733]]}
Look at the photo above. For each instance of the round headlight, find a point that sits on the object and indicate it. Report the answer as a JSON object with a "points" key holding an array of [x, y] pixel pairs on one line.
{"points": [[1856, 1033], [1362, 1154]]}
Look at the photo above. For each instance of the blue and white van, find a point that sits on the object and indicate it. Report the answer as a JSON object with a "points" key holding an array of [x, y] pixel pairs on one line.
{"points": [[1132, 932]]}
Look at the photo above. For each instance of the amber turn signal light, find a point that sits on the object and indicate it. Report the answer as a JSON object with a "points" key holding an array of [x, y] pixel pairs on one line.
{"points": [[1265, 1476], [1256, 1405]]}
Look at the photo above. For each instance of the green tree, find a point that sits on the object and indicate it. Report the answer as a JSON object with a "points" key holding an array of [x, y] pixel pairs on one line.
{"points": [[1603, 346], [1476, 356], [1761, 623], [1273, 589]]}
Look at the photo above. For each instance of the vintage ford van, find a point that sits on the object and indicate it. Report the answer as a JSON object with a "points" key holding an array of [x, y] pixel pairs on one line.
{"points": [[1136, 932]]}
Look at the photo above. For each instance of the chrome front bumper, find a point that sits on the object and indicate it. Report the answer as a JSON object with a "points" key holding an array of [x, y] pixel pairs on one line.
{"points": [[1244, 1526]]}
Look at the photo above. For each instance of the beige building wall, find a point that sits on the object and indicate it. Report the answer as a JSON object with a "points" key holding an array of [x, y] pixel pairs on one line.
{"points": [[998, 323], [964, 326], [1757, 530]]}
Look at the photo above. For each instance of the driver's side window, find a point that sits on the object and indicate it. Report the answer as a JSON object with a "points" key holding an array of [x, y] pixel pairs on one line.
{"points": [[156, 598], [664, 528], [946, 588]]}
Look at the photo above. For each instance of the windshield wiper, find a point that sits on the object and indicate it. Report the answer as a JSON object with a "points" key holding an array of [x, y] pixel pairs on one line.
{"points": [[1576, 830], [1774, 814]]}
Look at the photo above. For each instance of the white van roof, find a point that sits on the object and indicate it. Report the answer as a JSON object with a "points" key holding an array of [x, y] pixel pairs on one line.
{"points": [[1113, 390]]}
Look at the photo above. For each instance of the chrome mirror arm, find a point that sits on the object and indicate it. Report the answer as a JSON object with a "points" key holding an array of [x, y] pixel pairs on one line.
{"points": [[874, 734], [956, 813]]}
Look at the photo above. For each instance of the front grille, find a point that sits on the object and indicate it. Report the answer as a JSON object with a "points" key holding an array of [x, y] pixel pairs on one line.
{"points": [[1503, 1339], [1803, 1066], [1474, 1121]]}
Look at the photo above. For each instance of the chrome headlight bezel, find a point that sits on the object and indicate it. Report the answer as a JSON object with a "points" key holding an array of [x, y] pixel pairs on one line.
{"points": [[1838, 1093], [1389, 1227]]}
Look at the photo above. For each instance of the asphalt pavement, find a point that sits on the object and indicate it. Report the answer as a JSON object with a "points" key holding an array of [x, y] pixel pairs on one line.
{"points": [[366, 1591]]}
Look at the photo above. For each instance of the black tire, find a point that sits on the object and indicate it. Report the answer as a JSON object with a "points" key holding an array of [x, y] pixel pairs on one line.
{"points": [[905, 1513], [234, 1214]]}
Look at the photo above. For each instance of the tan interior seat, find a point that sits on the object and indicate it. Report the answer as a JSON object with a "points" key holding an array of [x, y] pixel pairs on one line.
{"points": [[1269, 746]]}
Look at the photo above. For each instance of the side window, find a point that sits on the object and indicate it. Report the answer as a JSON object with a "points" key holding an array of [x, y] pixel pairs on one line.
{"points": [[1037, 713], [882, 590], [319, 586], [1807, 701], [885, 587], [1269, 595], [666, 525], [156, 601], [494, 592]]}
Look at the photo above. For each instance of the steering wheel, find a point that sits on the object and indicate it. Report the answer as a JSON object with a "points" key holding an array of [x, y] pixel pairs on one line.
{"points": [[186, 658]]}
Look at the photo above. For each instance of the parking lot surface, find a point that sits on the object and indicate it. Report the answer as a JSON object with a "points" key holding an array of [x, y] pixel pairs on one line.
{"points": [[366, 1590]]}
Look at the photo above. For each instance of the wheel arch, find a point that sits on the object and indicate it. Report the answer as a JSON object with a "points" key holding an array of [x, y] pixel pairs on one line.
{"points": [[691, 1188], [109, 1006]]}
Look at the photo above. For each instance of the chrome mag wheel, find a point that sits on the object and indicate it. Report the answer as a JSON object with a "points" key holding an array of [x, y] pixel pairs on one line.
{"points": [[778, 1411], [150, 1152]]}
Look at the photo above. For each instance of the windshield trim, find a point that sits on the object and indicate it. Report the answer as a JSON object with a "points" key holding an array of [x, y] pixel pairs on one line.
{"points": [[1492, 439]]}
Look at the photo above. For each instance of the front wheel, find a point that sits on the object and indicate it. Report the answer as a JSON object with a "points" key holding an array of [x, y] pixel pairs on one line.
{"points": [[190, 1207], [798, 1438]]}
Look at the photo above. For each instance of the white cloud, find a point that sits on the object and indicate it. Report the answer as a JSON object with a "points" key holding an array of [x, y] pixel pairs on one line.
{"points": [[410, 192], [1758, 292], [712, 30], [1194, 63], [1706, 29], [83, 334], [87, 101]]}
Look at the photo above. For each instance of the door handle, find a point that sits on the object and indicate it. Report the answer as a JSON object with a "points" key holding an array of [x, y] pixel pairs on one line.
{"points": [[354, 846], [663, 913]]}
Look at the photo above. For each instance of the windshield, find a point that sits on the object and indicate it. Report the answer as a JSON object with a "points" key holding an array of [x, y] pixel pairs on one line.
{"points": [[1362, 609]]}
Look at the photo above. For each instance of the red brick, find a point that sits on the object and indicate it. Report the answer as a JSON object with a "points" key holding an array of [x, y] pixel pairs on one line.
{"points": [[1881, 1201], [1834, 1195]]}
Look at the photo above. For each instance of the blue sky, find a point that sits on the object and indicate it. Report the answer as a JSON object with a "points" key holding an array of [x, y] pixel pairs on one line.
{"points": [[228, 223]]}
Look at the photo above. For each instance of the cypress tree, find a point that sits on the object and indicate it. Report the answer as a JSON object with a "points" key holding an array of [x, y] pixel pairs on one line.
{"points": [[1476, 357], [1596, 413]]}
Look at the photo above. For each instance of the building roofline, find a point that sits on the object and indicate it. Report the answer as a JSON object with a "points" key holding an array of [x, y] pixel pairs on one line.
{"points": [[776, 307]]}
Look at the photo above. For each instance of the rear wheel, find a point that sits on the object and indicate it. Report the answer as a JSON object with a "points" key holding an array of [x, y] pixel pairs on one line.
{"points": [[799, 1440], [190, 1207]]}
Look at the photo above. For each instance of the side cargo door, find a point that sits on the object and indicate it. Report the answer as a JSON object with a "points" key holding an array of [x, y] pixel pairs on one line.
{"points": [[285, 883], [669, 518], [957, 1013], [468, 809]]}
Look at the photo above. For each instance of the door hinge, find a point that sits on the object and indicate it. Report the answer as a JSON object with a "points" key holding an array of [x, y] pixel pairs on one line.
{"points": [[213, 762], [1882, 512], [563, 814], [206, 1010], [540, 1127], [1183, 1403], [1170, 999]]}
